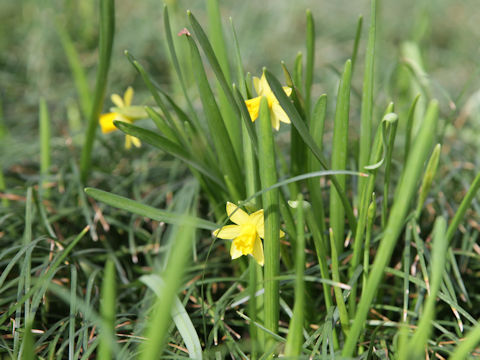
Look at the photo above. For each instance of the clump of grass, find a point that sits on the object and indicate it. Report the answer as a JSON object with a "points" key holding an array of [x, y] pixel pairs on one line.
{"points": [[115, 293]]}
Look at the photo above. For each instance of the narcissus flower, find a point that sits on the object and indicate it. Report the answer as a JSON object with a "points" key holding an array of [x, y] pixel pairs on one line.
{"points": [[277, 114], [246, 234], [122, 112]]}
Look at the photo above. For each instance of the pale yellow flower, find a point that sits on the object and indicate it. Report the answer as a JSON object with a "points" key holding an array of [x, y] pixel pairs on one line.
{"points": [[246, 234], [277, 114], [122, 112]]}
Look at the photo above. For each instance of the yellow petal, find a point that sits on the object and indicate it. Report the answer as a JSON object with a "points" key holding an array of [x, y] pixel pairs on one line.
{"points": [[136, 141], [128, 142], [227, 232], [117, 100], [280, 114], [257, 85], [258, 251], [106, 122], [288, 90], [235, 252], [282, 234], [264, 87], [274, 120], [253, 106], [258, 220], [128, 96], [237, 215]]}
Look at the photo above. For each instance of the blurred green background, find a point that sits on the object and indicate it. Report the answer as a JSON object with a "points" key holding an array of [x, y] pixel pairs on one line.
{"points": [[33, 62]]}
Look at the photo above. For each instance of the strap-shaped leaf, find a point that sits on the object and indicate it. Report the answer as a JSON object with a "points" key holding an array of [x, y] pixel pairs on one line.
{"points": [[246, 118], [297, 121], [309, 67], [168, 146], [212, 59], [403, 195], [148, 211], [179, 315], [107, 32], [340, 154], [151, 86], [219, 64], [176, 64], [228, 161], [367, 97]]}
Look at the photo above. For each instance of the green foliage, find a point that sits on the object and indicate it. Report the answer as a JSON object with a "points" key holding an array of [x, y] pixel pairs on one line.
{"points": [[128, 267], [107, 31]]}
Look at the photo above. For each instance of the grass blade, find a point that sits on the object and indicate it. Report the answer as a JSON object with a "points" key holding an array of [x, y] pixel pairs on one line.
{"points": [[356, 43], [299, 124], [465, 348], [28, 346], [342, 309], [404, 194], [43, 214], [367, 96], [419, 339], [107, 311], [409, 127], [298, 69], [365, 198], [239, 63], [293, 347], [298, 149], [218, 60], [216, 34], [310, 62], [162, 125], [221, 139], [180, 317], [317, 125], [24, 283], [73, 312], [321, 248], [158, 324], [430, 172], [390, 127], [148, 211], [44, 279], [168, 146], [107, 29], [45, 136], [371, 213], [270, 200], [339, 155], [158, 100], [462, 209], [176, 64], [212, 59]]}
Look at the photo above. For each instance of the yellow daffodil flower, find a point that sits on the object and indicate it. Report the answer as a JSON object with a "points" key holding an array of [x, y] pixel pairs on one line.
{"points": [[246, 234], [277, 114], [122, 112]]}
